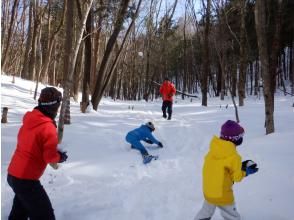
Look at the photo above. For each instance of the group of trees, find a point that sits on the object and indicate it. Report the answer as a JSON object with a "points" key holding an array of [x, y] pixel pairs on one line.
{"points": [[118, 48]]}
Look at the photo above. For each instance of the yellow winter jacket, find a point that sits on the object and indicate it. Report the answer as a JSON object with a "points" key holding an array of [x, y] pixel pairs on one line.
{"points": [[222, 167]]}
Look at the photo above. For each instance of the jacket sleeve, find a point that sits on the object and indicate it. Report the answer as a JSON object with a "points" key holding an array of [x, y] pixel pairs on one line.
{"points": [[173, 89], [237, 173], [49, 145], [152, 138], [161, 89]]}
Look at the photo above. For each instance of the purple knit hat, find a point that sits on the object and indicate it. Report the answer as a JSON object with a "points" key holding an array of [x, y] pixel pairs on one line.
{"points": [[231, 131]]}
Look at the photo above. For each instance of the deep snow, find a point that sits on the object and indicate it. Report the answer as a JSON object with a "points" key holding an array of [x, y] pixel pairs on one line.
{"points": [[104, 179]]}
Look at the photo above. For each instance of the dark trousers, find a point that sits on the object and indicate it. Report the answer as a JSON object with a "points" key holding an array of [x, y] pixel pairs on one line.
{"points": [[30, 200], [167, 105]]}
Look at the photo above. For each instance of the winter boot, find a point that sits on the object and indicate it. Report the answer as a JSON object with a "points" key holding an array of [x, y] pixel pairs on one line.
{"points": [[147, 158]]}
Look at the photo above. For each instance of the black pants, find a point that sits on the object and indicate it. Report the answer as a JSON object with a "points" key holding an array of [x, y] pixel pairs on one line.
{"points": [[167, 105], [30, 200]]}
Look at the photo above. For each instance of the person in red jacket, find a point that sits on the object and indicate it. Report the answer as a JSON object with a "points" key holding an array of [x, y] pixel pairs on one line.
{"points": [[167, 90], [36, 147]]}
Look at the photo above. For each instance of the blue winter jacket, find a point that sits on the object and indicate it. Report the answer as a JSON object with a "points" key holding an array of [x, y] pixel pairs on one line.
{"points": [[141, 134]]}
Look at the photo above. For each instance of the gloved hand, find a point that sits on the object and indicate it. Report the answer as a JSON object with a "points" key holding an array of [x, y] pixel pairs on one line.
{"points": [[250, 170], [249, 167], [63, 156], [160, 144], [170, 95], [148, 141]]}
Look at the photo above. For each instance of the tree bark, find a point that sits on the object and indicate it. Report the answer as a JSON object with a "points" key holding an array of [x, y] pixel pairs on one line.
{"points": [[10, 31], [266, 53], [291, 67], [87, 63], [71, 61], [4, 115], [206, 68], [97, 94], [25, 69], [117, 58], [242, 69]]}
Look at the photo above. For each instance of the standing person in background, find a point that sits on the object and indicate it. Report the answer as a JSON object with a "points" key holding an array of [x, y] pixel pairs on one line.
{"points": [[36, 147], [167, 90], [222, 168]]}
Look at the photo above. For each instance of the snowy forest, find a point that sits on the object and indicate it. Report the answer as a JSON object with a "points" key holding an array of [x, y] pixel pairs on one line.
{"points": [[105, 62], [118, 49]]}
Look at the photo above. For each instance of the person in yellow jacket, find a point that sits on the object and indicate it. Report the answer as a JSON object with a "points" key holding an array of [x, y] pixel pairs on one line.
{"points": [[222, 167]]}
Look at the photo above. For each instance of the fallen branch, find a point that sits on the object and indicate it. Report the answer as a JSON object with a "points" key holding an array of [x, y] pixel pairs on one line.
{"points": [[285, 92]]}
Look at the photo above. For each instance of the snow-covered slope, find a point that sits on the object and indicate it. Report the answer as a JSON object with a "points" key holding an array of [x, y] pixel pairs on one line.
{"points": [[104, 179]]}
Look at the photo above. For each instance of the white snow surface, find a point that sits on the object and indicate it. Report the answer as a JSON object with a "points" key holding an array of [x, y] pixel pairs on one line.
{"points": [[104, 179]]}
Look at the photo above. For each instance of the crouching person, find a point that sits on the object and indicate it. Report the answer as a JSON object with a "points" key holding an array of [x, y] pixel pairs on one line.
{"points": [[36, 147], [143, 133]]}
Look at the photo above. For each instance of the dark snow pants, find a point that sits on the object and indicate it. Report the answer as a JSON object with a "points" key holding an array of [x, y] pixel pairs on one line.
{"points": [[167, 105], [30, 200]]}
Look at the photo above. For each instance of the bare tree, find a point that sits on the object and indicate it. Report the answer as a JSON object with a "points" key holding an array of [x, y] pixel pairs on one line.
{"points": [[268, 53], [10, 31], [71, 60], [25, 68], [242, 69], [206, 67], [97, 94], [292, 67]]}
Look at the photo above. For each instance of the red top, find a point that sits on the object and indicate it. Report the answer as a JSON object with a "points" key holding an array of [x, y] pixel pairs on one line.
{"points": [[167, 90], [36, 146]]}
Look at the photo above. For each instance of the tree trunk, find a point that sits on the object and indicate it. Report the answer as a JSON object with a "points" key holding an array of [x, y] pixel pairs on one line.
{"points": [[25, 69], [87, 63], [233, 85], [242, 69], [291, 67], [39, 61], [71, 60], [14, 11], [117, 58], [251, 77], [185, 76], [256, 78], [36, 30], [206, 68], [261, 18], [51, 42], [97, 94], [4, 115]]}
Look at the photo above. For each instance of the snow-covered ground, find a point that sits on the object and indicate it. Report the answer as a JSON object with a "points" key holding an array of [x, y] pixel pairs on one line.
{"points": [[104, 179]]}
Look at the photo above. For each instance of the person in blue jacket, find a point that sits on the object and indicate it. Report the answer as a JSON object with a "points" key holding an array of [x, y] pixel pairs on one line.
{"points": [[143, 133]]}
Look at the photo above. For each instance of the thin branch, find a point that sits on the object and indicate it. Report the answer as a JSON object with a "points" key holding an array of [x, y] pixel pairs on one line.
{"points": [[232, 32]]}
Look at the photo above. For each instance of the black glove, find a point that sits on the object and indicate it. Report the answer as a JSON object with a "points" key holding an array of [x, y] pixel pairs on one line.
{"points": [[63, 156], [249, 167], [148, 141], [160, 144]]}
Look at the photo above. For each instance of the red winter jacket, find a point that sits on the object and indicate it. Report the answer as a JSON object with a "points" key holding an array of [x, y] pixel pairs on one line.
{"points": [[36, 147], [167, 90]]}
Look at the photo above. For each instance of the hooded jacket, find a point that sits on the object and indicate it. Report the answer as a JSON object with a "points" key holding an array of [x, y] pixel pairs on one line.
{"points": [[36, 146], [167, 90], [222, 167]]}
